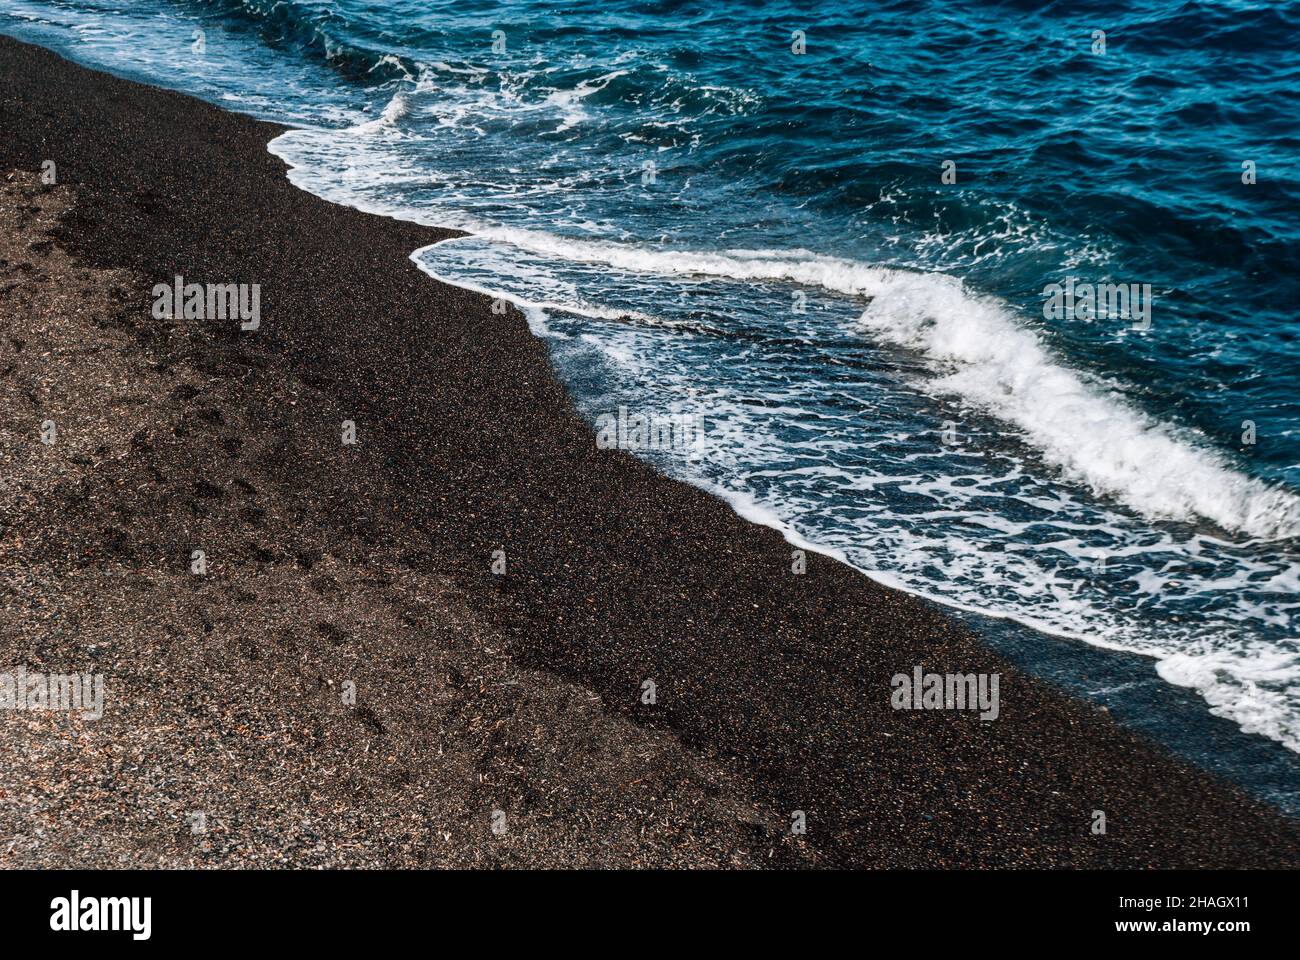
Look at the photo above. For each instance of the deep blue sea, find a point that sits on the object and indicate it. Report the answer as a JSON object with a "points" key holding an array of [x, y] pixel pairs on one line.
{"points": [[830, 232]]}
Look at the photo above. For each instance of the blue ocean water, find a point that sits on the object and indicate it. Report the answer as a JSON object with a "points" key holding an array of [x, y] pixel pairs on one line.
{"points": [[826, 231]]}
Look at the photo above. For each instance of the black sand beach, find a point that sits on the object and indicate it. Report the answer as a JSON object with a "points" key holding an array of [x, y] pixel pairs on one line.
{"points": [[373, 563]]}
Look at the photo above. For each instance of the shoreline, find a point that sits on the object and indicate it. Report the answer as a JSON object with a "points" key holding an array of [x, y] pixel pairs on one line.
{"points": [[614, 574]]}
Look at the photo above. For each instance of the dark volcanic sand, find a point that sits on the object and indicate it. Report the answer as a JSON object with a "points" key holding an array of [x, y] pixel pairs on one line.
{"points": [[468, 444], [225, 692]]}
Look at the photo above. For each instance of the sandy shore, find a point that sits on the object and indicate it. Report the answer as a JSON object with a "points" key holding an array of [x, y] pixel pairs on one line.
{"points": [[498, 717]]}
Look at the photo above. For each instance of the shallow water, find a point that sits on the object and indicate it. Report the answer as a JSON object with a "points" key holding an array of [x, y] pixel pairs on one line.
{"points": [[708, 224]]}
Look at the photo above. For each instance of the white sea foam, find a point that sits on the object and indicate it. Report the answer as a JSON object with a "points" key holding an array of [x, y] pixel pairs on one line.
{"points": [[1261, 697], [396, 108], [569, 102]]}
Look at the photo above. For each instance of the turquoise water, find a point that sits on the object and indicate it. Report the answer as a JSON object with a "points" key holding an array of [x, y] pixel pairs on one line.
{"points": [[826, 232]]}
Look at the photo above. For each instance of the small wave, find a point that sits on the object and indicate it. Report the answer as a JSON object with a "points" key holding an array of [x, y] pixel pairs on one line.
{"points": [[531, 308], [396, 108], [318, 33], [1088, 432], [569, 102]]}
